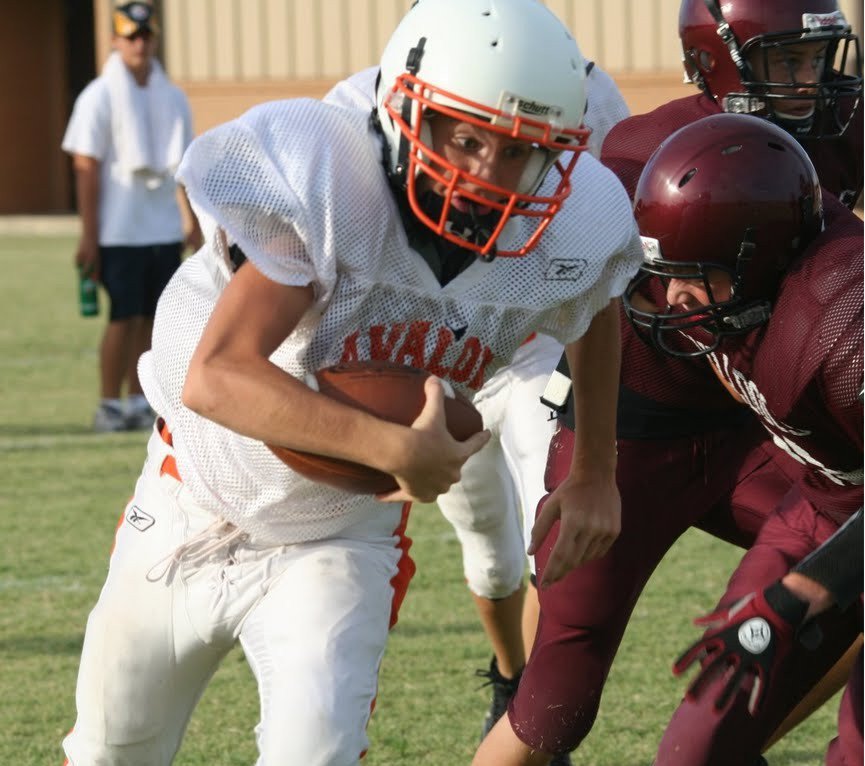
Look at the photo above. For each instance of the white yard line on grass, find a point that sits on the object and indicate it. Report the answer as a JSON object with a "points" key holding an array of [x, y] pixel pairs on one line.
{"points": [[84, 439], [52, 583]]}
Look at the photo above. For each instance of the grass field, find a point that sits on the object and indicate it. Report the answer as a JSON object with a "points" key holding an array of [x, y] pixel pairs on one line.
{"points": [[64, 487]]}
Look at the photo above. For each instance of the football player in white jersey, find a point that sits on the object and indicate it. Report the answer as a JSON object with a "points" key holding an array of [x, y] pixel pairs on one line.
{"points": [[501, 486], [440, 235]]}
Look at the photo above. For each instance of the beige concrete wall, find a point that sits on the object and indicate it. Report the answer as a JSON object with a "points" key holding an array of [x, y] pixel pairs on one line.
{"points": [[230, 40], [215, 102], [231, 54]]}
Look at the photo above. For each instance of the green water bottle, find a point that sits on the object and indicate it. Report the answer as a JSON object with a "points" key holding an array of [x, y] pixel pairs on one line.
{"points": [[88, 294]]}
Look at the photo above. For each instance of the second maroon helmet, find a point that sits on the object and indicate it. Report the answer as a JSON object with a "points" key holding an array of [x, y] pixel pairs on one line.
{"points": [[724, 43], [731, 193]]}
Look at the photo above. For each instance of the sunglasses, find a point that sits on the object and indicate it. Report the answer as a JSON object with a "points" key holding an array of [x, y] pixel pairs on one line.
{"points": [[139, 34]]}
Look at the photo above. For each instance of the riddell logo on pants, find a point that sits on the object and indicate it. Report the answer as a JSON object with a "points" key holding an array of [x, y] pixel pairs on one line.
{"points": [[139, 519]]}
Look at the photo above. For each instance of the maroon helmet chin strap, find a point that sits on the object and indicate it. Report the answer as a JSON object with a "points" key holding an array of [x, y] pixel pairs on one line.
{"points": [[725, 32]]}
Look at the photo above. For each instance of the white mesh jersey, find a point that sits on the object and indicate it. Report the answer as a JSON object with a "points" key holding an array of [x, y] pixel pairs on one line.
{"points": [[309, 172], [604, 107]]}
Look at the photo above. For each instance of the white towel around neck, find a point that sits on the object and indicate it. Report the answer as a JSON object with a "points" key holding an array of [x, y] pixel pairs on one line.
{"points": [[148, 121]]}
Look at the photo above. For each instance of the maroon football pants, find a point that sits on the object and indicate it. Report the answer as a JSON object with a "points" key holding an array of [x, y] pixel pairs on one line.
{"points": [[726, 483]]}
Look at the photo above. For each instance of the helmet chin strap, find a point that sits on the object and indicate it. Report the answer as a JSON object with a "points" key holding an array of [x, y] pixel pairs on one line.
{"points": [[739, 103], [796, 126], [725, 32], [757, 311]]}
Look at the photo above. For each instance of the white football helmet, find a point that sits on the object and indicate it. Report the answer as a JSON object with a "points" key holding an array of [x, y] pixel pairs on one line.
{"points": [[509, 66]]}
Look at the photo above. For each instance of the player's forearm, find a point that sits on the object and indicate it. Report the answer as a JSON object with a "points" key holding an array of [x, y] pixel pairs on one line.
{"points": [[255, 398], [87, 185], [818, 598], [594, 361]]}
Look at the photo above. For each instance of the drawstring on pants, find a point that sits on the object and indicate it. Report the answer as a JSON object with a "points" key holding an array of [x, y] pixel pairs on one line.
{"points": [[219, 535]]}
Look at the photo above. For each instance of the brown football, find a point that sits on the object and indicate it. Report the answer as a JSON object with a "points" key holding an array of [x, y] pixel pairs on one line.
{"points": [[389, 391]]}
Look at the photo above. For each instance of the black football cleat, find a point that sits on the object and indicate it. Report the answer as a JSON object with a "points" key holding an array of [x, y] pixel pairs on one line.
{"points": [[503, 690]]}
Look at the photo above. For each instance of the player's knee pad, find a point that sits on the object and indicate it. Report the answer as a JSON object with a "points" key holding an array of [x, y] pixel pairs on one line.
{"points": [[494, 574], [493, 584], [494, 556]]}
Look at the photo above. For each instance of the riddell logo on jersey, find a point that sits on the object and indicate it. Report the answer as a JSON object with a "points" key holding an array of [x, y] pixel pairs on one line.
{"points": [[139, 519], [410, 343]]}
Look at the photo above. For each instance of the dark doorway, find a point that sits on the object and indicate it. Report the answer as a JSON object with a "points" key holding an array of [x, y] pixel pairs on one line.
{"points": [[80, 63], [80, 48], [34, 98]]}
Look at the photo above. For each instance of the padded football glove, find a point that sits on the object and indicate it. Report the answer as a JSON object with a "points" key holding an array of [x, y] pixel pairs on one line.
{"points": [[749, 639]]}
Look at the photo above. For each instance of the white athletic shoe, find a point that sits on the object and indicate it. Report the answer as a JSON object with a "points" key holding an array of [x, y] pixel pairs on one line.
{"points": [[140, 419], [109, 418]]}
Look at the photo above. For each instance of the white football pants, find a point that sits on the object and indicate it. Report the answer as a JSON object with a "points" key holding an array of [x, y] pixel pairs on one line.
{"points": [[492, 509], [312, 618]]}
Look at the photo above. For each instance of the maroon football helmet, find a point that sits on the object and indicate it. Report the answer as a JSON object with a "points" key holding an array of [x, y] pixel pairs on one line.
{"points": [[728, 45], [732, 193]]}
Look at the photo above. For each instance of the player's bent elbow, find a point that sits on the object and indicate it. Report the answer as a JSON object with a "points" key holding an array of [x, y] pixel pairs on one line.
{"points": [[198, 394]]}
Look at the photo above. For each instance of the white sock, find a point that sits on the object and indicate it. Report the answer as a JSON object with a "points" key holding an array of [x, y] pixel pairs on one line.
{"points": [[137, 403]]}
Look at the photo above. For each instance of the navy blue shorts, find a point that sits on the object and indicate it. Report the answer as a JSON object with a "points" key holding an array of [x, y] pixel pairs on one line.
{"points": [[134, 277]]}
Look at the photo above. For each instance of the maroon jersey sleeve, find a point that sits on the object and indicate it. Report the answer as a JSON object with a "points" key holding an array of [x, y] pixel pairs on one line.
{"points": [[631, 142]]}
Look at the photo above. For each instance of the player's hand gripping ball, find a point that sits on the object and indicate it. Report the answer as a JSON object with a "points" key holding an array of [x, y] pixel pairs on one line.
{"points": [[389, 391]]}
